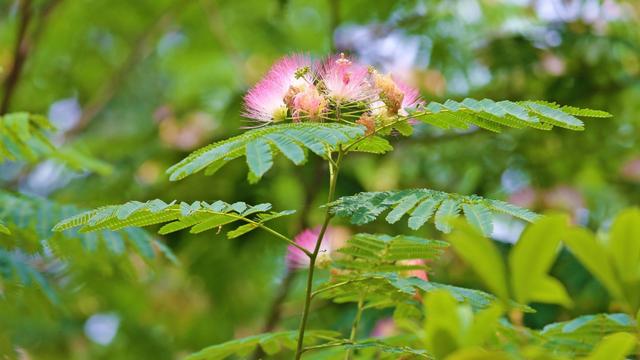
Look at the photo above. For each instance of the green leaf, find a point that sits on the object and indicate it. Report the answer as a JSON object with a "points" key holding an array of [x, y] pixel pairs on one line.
{"points": [[399, 352], [422, 213], [555, 117], [199, 216], [480, 217], [421, 204], [259, 159], [589, 252], [484, 326], [443, 325], [289, 139], [34, 218], [614, 347], [447, 211], [271, 343], [4, 229], [373, 145], [496, 116], [24, 137], [18, 268], [402, 208], [376, 252], [624, 245], [529, 279], [480, 253], [578, 337]]}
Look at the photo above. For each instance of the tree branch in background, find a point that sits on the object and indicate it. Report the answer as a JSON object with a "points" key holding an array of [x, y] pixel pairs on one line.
{"points": [[21, 50], [25, 43], [141, 49]]}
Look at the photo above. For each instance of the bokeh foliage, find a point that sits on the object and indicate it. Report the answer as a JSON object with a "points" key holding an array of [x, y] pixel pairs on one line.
{"points": [[139, 84]]}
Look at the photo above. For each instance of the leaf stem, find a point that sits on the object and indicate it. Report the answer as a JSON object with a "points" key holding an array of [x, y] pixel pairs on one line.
{"points": [[354, 327], [334, 168]]}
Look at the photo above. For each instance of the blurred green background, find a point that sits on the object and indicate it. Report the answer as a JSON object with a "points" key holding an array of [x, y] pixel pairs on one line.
{"points": [[140, 84]]}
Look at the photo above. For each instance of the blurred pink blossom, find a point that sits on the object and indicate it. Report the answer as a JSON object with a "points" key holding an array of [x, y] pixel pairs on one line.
{"points": [[334, 238], [384, 327], [630, 170], [419, 273]]}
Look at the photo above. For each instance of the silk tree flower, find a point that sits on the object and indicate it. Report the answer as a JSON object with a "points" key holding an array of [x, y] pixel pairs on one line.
{"points": [[395, 95], [334, 238], [308, 104], [296, 259], [411, 97], [345, 81], [265, 102]]}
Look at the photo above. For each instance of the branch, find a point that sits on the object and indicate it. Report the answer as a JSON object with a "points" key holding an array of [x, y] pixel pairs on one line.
{"points": [[20, 52], [141, 50]]}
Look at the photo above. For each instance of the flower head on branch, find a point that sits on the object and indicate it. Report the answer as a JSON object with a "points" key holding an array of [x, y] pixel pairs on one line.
{"points": [[337, 88]]}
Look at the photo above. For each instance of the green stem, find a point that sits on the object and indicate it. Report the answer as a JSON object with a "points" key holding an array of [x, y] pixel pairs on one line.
{"points": [[354, 328], [334, 168]]}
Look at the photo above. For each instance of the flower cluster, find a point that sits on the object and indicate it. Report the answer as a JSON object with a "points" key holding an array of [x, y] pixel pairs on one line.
{"points": [[298, 88]]}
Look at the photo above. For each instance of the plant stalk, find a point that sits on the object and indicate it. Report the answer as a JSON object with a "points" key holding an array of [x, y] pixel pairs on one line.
{"points": [[334, 168]]}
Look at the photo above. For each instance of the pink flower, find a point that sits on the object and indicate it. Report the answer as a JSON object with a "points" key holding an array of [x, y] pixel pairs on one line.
{"points": [[384, 327], [344, 80], [266, 101], [419, 273], [395, 95], [308, 104], [411, 96], [334, 238], [296, 259]]}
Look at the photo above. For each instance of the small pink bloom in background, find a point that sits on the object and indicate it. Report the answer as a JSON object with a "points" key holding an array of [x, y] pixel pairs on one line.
{"points": [[564, 197], [334, 238], [419, 273], [384, 327], [630, 170], [265, 102], [525, 197], [345, 80]]}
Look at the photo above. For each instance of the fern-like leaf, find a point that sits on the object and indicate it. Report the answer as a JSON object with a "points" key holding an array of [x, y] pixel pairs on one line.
{"points": [[373, 145], [422, 204], [199, 216], [496, 116], [579, 336], [381, 350], [259, 146], [24, 137], [271, 344], [33, 218], [375, 252], [17, 268], [388, 289]]}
